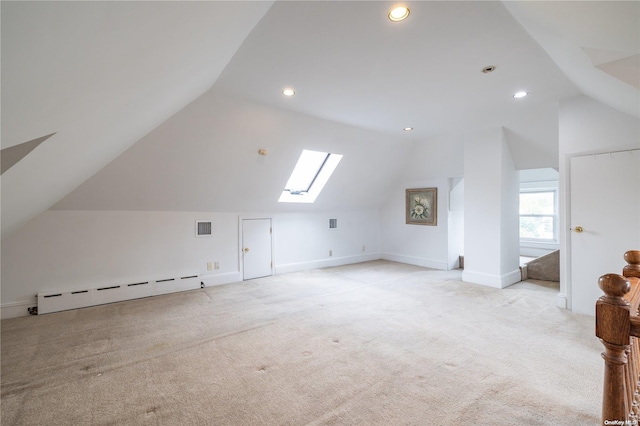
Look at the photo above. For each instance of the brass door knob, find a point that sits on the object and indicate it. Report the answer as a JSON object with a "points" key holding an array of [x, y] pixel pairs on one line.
{"points": [[246, 250], [578, 229]]}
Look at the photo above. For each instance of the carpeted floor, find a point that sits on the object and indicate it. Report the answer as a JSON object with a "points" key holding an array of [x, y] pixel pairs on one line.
{"points": [[378, 343]]}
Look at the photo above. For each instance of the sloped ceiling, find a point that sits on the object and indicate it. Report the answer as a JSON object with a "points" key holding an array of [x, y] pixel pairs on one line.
{"points": [[205, 158], [11, 155], [101, 75], [104, 74], [348, 63], [595, 43]]}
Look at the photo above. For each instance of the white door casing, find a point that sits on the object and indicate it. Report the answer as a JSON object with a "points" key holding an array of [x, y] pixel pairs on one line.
{"points": [[256, 248], [605, 204]]}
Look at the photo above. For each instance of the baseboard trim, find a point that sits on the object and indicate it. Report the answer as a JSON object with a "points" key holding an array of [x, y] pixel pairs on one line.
{"points": [[495, 281], [325, 263], [221, 279], [16, 309], [524, 272], [562, 301], [417, 261], [511, 278]]}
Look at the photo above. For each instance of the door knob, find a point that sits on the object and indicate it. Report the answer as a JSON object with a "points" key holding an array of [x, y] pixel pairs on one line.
{"points": [[578, 229], [246, 250]]}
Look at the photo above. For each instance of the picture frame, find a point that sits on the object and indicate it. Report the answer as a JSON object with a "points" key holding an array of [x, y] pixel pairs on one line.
{"points": [[422, 206]]}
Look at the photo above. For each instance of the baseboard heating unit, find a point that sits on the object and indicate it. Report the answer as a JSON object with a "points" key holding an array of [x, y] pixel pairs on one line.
{"points": [[55, 301]]}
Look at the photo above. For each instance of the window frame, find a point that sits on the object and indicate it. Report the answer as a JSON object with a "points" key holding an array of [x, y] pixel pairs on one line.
{"points": [[292, 191], [325, 170], [551, 188]]}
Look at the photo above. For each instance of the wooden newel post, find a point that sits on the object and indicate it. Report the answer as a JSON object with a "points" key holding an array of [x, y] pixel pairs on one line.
{"points": [[612, 327], [632, 257]]}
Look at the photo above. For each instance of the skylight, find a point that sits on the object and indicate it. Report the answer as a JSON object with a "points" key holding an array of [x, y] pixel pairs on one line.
{"points": [[311, 173]]}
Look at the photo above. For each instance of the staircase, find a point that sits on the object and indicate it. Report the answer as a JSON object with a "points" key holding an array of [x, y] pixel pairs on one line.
{"points": [[543, 268]]}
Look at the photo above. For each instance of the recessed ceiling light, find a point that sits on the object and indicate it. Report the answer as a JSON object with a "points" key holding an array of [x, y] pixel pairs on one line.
{"points": [[488, 69], [399, 13], [288, 92], [519, 95], [407, 129]]}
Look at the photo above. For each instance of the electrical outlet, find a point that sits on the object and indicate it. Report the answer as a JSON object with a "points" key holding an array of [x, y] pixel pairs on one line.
{"points": [[364, 248], [330, 252], [216, 265], [209, 267]]}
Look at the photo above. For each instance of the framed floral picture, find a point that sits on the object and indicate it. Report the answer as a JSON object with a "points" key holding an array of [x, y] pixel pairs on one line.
{"points": [[422, 206]]}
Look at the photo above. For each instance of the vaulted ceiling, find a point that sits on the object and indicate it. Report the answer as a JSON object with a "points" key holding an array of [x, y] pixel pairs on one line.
{"points": [[105, 75]]}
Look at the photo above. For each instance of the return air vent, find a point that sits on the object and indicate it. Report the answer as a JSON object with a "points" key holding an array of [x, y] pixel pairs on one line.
{"points": [[333, 223], [203, 228]]}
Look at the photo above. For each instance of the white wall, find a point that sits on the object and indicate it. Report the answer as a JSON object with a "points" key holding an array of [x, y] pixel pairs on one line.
{"points": [[70, 250], [456, 222], [510, 219], [133, 219], [430, 164], [491, 210], [586, 126], [304, 241], [422, 245]]}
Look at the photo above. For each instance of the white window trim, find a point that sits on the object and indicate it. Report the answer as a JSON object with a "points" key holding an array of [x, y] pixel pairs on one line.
{"points": [[321, 179], [550, 186]]}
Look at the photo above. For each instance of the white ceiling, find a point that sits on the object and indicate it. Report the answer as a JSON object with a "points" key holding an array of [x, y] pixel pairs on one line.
{"points": [[101, 75], [595, 43], [104, 74], [349, 63]]}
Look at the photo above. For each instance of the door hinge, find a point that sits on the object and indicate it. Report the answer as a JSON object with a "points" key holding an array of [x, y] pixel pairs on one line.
{"points": [[271, 230]]}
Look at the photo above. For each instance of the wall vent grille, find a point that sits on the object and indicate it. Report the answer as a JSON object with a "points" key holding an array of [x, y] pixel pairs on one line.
{"points": [[333, 223], [203, 228]]}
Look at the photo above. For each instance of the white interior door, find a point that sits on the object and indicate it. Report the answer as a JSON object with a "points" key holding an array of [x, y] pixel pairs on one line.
{"points": [[256, 248], [605, 203]]}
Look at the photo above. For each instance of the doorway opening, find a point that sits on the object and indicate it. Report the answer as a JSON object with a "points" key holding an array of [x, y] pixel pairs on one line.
{"points": [[539, 225]]}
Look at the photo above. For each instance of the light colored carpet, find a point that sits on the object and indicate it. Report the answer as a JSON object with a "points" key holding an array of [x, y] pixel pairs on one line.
{"points": [[378, 343]]}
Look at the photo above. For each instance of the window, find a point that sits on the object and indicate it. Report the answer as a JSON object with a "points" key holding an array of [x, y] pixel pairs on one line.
{"points": [[538, 215], [311, 173]]}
